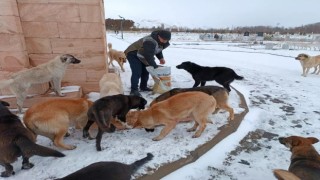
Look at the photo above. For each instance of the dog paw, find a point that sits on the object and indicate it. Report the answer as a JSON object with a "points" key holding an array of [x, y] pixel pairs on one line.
{"points": [[191, 130], [195, 136], [230, 119], [27, 166], [156, 139], [85, 134], [71, 147], [7, 173], [91, 138]]}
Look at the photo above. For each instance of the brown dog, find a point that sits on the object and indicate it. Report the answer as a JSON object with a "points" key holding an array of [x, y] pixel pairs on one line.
{"points": [[16, 140], [108, 170], [308, 62], [219, 93], [198, 105], [106, 109], [118, 56], [305, 160], [52, 118]]}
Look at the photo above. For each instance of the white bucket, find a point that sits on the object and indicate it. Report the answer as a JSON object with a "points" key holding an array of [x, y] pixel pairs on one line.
{"points": [[161, 77]]}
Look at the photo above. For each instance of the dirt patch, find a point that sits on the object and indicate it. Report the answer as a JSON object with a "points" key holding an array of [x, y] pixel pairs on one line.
{"points": [[251, 143], [220, 174]]}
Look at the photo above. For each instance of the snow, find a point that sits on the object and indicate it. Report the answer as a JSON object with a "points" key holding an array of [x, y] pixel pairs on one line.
{"points": [[281, 103]]}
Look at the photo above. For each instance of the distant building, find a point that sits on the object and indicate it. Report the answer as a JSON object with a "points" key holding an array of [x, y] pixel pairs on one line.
{"points": [[259, 36]]}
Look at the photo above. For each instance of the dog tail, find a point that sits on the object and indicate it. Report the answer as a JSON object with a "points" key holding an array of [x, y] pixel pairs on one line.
{"points": [[285, 175], [104, 124], [137, 164], [5, 83], [109, 46], [237, 77], [30, 148]]}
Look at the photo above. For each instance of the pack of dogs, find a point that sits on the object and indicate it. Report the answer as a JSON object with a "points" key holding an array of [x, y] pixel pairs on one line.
{"points": [[116, 111]]}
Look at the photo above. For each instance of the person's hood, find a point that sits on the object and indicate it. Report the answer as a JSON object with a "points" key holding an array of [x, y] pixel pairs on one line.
{"points": [[155, 34]]}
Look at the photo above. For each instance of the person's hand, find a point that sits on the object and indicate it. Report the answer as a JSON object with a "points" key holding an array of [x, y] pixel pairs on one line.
{"points": [[162, 61]]}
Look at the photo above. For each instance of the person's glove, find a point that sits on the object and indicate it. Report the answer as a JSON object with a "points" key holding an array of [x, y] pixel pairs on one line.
{"points": [[150, 69]]}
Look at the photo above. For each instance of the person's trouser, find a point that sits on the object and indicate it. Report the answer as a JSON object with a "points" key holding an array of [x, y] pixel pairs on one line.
{"points": [[139, 71]]}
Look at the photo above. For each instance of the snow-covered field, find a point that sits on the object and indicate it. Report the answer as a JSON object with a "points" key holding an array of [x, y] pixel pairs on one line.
{"points": [[281, 103]]}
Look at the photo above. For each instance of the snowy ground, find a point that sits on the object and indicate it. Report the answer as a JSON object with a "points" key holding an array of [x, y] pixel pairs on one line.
{"points": [[281, 103]]}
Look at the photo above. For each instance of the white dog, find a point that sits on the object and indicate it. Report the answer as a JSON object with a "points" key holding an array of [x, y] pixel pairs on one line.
{"points": [[308, 62], [110, 84], [52, 71]]}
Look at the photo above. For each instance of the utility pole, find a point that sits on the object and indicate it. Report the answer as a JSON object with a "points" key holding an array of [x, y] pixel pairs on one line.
{"points": [[121, 25]]}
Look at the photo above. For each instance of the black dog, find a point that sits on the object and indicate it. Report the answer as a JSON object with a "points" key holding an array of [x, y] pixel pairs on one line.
{"points": [[201, 74], [106, 108], [108, 170], [16, 140]]}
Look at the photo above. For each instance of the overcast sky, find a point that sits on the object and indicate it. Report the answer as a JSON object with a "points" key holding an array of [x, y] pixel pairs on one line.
{"points": [[217, 13]]}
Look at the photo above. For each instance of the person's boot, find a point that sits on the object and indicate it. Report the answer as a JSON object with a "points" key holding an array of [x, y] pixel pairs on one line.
{"points": [[145, 89], [135, 93]]}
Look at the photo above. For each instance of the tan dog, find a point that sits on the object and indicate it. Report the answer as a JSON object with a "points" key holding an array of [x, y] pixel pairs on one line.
{"points": [[308, 62], [219, 93], [52, 118], [169, 112], [110, 84], [52, 71], [118, 56], [305, 160]]}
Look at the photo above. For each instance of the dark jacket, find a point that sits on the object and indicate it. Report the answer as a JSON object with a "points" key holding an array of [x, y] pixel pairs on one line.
{"points": [[148, 47]]}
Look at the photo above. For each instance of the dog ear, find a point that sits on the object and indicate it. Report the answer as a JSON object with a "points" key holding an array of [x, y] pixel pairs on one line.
{"points": [[63, 58], [294, 142], [131, 117], [313, 140], [306, 56], [4, 103]]}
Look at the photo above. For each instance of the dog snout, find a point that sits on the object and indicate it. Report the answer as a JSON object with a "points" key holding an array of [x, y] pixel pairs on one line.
{"points": [[111, 129], [282, 140], [141, 107], [75, 61], [178, 66]]}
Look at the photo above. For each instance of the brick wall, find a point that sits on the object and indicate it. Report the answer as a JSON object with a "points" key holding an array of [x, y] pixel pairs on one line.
{"points": [[38, 30]]}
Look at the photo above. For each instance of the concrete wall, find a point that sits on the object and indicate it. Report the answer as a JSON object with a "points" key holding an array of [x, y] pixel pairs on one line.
{"points": [[34, 31]]}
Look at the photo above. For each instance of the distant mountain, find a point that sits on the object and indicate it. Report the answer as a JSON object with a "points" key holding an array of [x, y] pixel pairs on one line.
{"points": [[148, 23]]}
